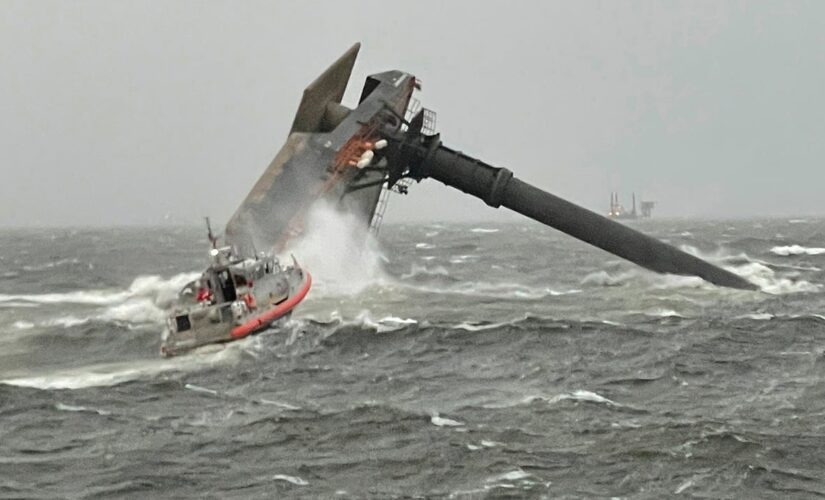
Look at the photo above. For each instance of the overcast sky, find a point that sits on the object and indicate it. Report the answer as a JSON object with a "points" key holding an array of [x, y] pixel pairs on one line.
{"points": [[145, 112]]}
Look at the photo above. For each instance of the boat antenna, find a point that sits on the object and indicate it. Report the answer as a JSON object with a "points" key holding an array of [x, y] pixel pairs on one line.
{"points": [[209, 234]]}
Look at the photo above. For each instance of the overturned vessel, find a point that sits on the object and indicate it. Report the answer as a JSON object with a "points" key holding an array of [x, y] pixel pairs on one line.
{"points": [[233, 298], [354, 157]]}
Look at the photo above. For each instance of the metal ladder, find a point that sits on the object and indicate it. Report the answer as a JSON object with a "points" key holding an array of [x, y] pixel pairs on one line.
{"points": [[401, 186]]}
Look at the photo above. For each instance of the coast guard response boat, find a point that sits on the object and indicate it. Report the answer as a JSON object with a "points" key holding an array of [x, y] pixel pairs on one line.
{"points": [[233, 298]]}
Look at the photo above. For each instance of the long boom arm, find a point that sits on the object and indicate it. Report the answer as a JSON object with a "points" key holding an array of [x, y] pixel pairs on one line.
{"points": [[426, 157]]}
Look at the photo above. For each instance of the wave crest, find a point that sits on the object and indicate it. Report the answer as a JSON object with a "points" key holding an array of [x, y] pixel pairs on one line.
{"points": [[792, 250]]}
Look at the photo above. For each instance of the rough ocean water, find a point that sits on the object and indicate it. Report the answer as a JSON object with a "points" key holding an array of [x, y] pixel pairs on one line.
{"points": [[448, 361]]}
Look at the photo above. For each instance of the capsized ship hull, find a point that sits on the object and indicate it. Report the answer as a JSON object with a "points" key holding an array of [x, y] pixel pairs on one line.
{"points": [[320, 160]]}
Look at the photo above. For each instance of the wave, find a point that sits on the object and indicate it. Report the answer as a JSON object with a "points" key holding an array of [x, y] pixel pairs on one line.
{"points": [[94, 377], [662, 313], [439, 421], [80, 409], [577, 395], [153, 286], [461, 259], [144, 302], [50, 265], [386, 324], [132, 312], [514, 475], [762, 274], [12, 304], [767, 280], [481, 326], [67, 321], [758, 272], [290, 479], [366, 321], [791, 250], [765, 316], [603, 278], [111, 374], [498, 291], [657, 281], [135, 311], [582, 395], [758, 316], [417, 271], [671, 281], [88, 297]]}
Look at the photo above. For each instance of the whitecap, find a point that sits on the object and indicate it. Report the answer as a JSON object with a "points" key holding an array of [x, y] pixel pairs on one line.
{"points": [[687, 484], [72, 408], [478, 327], [197, 388], [765, 278], [67, 321], [444, 422], [290, 479], [483, 230], [417, 270], [578, 395], [110, 374], [134, 311], [142, 286], [424, 246], [758, 316], [789, 250], [50, 265], [12, 304], [514, 475], [285, 406], [663, 313], [603, 278], [582, 395], [504, 290], [461, 259], [90, 297], [386, 324], [23, 325], [673, 281]]}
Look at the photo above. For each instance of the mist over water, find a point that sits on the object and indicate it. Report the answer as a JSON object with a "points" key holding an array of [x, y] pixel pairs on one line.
{"points": [[443, 360]]}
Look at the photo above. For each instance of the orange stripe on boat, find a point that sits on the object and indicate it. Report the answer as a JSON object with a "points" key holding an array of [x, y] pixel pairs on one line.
{"points": [[273, 314]]}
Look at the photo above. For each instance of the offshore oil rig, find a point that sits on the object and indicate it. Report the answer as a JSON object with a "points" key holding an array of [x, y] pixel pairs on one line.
{"points": [[617, 210], [353, 157]]}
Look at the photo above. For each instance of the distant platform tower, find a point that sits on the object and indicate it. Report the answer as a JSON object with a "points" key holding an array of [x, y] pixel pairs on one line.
{"points": [[647, 208]]}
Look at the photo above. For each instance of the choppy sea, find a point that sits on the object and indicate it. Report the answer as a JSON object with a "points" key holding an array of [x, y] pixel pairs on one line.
{"points": [[454, 361]]}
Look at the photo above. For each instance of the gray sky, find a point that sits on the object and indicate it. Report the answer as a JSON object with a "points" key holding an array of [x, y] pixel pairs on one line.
{"points": [[124, 112]]}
